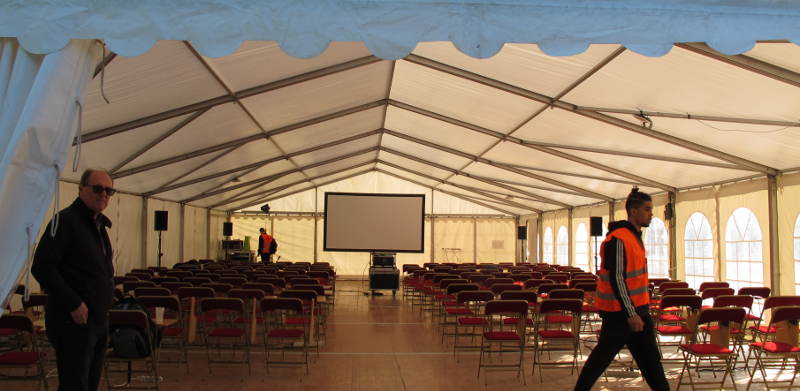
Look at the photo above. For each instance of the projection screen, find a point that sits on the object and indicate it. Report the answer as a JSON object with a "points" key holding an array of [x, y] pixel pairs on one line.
{"points": [[374, 222]]}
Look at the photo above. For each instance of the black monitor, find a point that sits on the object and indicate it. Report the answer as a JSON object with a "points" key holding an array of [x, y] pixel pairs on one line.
{"points": [[382, 261], [232, 244]]}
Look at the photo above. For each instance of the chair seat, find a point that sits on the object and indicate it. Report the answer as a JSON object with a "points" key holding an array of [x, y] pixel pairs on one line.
{"points": [[226, 332], [528, 321], [751, 317], [7, 332], [471, 321], [556, 334], [245, 319], [459, 311], [711, 329], [764, 329], [285, 333], [501, 336], [442, 296], [776, 347], [706, 349], [674, 330], [172, 331], [452, 304], [296, 321], [19, 358], [558, 319], [671, 318], [589, 308]]}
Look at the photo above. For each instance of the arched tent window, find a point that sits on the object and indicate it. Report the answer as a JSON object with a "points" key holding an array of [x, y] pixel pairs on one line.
{"points": [[743, 256], [547, 246], [698, 250], [797, 255], [562, 246], [656, 243], [582, 247]]}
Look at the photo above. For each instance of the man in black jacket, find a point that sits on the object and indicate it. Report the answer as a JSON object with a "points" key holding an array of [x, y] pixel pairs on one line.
{"points": [[75, 268]]}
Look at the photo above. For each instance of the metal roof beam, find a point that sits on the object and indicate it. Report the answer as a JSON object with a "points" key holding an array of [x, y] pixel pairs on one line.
{"points": [[456, 195], [309, 187], [572, 174], [246, 93], [661, 136], [268, 192], [696, 117], [262, 163], [276, 176], [502, 166], [247, 139], [529, 144], [110, 56]]}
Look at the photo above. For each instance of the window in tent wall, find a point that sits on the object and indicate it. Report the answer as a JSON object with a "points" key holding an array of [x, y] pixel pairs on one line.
{"points": [[744, 265], [562, 246], [698, 251], [547, 246], [656, 244], [582, 247], [797, 255]]}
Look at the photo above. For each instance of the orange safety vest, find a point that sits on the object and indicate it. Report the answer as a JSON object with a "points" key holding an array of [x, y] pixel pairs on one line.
{"points": [[267, 242], [635, 273]]}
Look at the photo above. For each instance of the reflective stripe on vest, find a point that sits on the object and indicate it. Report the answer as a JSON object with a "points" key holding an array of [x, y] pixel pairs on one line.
{"points": [[635, 273]]}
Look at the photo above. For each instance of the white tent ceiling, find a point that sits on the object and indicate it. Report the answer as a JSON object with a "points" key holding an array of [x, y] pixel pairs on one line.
{"points": [[523, 130]]}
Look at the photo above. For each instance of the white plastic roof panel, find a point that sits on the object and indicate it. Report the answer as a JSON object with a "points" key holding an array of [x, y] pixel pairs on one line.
{"points": [[299, 202], [246, 191], [151, 179], [331, 130], [492, 172], [185, 192], [272, 63], [424, 152], [774, 146], [785, 55], [340, 164], [413, 165], [611, 189], [512, 153], [556, 196], [489, 193], [461, 99], [336, 151], [268, 170], [686, 82], [317, 97], [219, 125], [551, 125], [408, 175], [523, 65], [443, 198], [165, 77], [436, 131], [251, 152]]}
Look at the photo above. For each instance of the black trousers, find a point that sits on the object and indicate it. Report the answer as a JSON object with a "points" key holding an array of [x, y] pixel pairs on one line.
{"points": [[614, 335], [80, 351], [266, 258]]}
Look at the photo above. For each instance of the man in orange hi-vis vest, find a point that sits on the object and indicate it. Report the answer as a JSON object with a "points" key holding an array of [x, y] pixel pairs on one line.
{"points": [[624, 301], [266, 246]]}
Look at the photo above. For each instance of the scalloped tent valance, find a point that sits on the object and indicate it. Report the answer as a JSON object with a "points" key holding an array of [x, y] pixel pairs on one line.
{"points": [[392, 28]]}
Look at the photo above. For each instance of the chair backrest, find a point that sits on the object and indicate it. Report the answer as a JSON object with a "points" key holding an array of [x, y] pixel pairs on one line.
{"points": [[692, 301], [144, 291], [129, 286], [118, 280], [246, 294], [275, 281], [141, 276], [317, 288], [221, 303], [710, 293], [722, 314], [536, 282], [169, 302], [302, 294], [559, 279], [546, 288], [479, 278], [520, 277], [35, 300], [656, 282], [756, 291], [129, 318], [585, 286], [282, 304], [713, 284], [443, 284], [161, 280], [474, 296], [500, 288], [442, 276], [174, 286], [744, 301], [566, 294], [672, 285], [568, 305], [506, 307], [268, 289], [195, 291], [16, 322], [218, 287], [529, 296], [781, 301], [452, 289], [197, 281], [785, 313], [678, 292], [301, 280], [491, 281]]}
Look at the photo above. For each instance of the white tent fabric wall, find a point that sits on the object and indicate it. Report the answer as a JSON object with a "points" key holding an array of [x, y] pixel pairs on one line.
{"points": [[295, 235], [38, 114], [454, 239], [215, 237], [496, 240], [170, 239], [789, 207], [194, 240]]}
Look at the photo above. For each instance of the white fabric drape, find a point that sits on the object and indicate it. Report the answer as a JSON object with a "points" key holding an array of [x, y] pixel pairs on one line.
{"points": [[38, 117]]}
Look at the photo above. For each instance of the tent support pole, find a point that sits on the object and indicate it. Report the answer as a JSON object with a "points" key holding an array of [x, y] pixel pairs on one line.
{"points": [[570, 239], [433, 228], [208, 233], [540, 230], [316, 224], [145, 201], [774, 248], [673, 235], [745, 62], [474, 240], [182, 229], [517, 244]]}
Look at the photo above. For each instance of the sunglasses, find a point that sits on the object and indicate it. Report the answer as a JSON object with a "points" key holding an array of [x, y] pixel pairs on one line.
{"points": [[97, 189]]}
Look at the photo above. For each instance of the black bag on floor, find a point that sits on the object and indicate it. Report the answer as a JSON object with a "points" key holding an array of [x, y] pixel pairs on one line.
{"points": [[131, 342]]}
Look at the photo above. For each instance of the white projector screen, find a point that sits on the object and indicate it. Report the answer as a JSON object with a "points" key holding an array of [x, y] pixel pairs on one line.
{"points": [[374, 222]]}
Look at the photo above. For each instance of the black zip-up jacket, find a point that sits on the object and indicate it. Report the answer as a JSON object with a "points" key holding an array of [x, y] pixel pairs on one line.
{"points": [[76, 265], [614, 259]]}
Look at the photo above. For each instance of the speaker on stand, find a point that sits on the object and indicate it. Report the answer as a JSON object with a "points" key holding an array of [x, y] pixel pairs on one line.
{"points": [[227, 229], [161, 219], [522, 234], [596, 230]]}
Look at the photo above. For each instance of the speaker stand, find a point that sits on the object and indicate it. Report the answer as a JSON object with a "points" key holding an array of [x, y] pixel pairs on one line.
{"points": [[159, 250], [596, 263]]}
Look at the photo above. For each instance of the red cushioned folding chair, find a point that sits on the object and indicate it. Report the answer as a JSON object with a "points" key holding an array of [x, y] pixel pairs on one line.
{"points": [[24, 355], [500, 337], [224, 336], [118, 319], [470, 319], [676, 318], [282, 336], [173, 330], [777, 352], [551, 336], [719, 351]]}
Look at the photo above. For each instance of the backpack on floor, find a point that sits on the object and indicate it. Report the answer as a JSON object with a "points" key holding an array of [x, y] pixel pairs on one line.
{"points": [[131, 342]]}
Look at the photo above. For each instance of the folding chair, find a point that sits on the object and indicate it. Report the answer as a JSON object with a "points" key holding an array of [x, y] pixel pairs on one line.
{"points": [[118, 319], [283, 336], [759, 293], [129, 286], [198, 280], [174, 331], [759, 331], [507, 338], [719, 347], [24, 355], [712, 284], [738, 332], [676, 317], [452, 308], [551, 337], [311, 314], [534, 283], [467, 321], [190, 297], [268, 289], [498, 289], [151, 292], [224, 332], [713, 292], [174, 286], [782, 348]]}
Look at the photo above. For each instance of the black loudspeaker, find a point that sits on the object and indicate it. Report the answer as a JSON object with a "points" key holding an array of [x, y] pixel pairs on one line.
{"points": [[668, 211], [161, 220], [596, 225], [227, 229], [522, 232]]}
